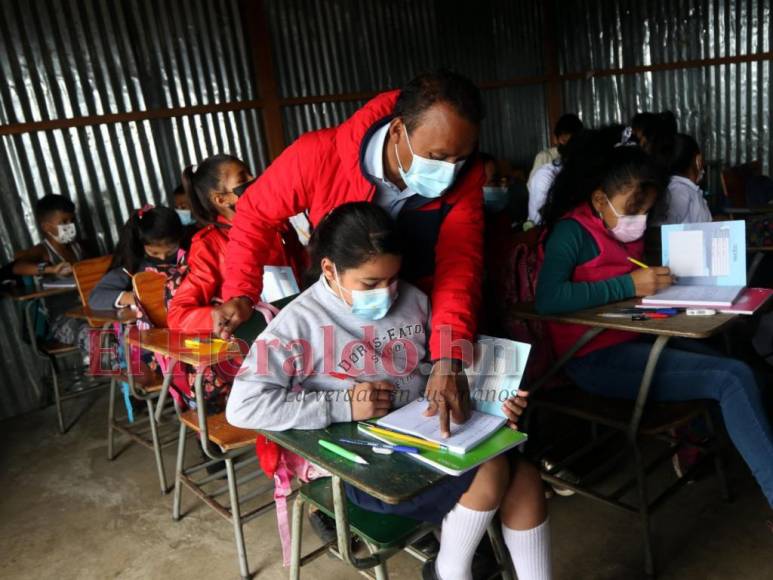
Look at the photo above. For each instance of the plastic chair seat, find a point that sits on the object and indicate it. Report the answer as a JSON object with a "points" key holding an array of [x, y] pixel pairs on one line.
{"points": [[383, 530]]}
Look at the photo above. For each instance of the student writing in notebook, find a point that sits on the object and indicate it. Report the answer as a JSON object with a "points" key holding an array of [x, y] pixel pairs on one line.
{"points": [[150, 240], [595, 219], [360, 320]]}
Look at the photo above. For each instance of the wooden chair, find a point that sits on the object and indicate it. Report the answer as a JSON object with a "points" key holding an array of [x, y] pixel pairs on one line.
{"points": [[150, 291], [86, 273], [222, 443], [150, 431]]}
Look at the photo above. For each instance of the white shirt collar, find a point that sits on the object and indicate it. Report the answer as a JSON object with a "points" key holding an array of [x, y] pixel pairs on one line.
{"points": [[683, 181], [374, 153]]}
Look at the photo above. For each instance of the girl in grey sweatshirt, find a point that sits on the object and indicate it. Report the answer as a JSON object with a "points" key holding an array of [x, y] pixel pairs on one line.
{"points": [[352, 347]]}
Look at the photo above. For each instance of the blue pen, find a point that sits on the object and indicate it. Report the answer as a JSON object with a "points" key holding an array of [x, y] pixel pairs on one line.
{"points": [[395, 448]]}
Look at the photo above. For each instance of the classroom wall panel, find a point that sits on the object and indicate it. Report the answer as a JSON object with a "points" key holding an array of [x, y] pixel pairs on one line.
{"points": [[326, 47], [726, 106], [76, 58], [329, 47]]}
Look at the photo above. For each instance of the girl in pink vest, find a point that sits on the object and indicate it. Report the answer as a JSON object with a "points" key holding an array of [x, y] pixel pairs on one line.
{"points": [[595, 218]]}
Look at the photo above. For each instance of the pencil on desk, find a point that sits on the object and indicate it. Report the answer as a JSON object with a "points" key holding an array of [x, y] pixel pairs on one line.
{"points": [[417, 441], [638, 263]]}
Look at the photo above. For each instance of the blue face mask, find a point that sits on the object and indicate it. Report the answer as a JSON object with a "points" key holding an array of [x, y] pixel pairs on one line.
{"points": [[370, 304], [186, 217], [495, 197], [427, 177]]}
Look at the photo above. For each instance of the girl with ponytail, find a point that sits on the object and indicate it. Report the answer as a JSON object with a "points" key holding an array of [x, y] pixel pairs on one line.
{"points": [[150, 240], [214, 188], [596, 216]]}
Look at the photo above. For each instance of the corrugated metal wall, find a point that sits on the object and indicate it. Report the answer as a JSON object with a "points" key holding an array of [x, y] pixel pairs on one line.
{"points": [[65, 58], [76, 58], [351, 46], [727, 107]]}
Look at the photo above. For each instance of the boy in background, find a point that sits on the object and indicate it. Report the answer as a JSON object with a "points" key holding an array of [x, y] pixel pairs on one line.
{"points": [[53, 257]]}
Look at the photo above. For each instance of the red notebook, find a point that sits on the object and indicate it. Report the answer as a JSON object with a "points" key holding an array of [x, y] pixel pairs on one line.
{"points": [[749, 301]]}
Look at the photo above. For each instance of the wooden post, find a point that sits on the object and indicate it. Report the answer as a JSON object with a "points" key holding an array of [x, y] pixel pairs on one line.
{"points": [[258, 32], [553, 96]]}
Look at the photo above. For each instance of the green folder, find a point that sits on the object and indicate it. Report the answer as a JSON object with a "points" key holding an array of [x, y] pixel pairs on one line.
{"points": [[454, 464]]}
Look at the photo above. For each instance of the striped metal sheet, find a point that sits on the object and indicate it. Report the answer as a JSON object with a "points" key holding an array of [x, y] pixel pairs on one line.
{"points": [[349, 46]]}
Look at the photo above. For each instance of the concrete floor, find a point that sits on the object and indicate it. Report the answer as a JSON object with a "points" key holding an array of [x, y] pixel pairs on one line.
{"points": [[66, 512]]}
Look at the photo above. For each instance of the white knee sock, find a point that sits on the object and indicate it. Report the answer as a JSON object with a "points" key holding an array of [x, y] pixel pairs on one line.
{"points": [[460, 535], [530, 551]]}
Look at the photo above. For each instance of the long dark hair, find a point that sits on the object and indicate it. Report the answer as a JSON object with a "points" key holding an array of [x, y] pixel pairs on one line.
{"points": [[683, 155], [200, 184], [150, 225], [594, 161], [352, 234]]}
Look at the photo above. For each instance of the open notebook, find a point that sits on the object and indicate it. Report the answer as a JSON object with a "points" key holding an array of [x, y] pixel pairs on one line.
{"points": [[497, 369], [708, 261]]}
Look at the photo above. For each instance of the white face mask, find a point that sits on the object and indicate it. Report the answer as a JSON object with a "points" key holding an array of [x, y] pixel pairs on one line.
{"points": [[629, 228], [427, 177], [66, 233], [369, 304]]}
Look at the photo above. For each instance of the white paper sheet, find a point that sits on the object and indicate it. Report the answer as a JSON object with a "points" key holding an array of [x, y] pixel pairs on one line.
{"points": [[410, 419]]}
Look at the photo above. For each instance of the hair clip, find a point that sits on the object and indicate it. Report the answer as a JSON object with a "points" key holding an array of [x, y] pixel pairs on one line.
{"points": [[144, 209]]}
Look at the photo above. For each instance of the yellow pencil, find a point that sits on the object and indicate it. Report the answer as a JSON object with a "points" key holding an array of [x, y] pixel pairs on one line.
{"points": [[638, 263], [404, 438]]}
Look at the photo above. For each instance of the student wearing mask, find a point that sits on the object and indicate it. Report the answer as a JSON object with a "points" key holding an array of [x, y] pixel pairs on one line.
{"points": [[413, 153], [357, 251], [567, 125], [213, 188], [60, 248], [150, 241], [595, 219], [53, 258], [684, 200], [182, 206]]}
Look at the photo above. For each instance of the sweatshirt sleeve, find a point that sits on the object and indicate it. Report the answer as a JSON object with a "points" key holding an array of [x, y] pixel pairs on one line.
{"points": [[567, 247], [108, 289], [262, 396]]}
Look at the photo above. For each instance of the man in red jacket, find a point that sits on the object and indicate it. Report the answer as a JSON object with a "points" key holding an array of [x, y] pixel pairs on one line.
{"points": [[412, 152]]}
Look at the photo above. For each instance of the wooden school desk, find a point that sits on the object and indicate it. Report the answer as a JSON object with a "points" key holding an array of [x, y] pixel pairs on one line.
{"points": [[680, 325], [103, 318], [391, 478], [219, 440]]}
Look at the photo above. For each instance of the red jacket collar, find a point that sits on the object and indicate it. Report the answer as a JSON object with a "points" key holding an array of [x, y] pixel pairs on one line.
{"points": [[351, 133]]}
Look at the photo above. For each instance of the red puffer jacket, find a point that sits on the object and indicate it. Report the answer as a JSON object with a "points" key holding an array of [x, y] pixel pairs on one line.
{"points": [[191, 308], [321, 171]]}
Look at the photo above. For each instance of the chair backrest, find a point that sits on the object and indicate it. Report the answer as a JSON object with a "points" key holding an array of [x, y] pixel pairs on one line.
{"points": [[87, 273], [734, 182], [150, 291]]}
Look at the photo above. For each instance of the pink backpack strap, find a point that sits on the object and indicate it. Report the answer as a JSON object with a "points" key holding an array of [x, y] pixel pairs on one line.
{"points": [[290, 465]]}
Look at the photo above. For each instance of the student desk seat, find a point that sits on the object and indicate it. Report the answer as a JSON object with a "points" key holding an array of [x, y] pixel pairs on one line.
{"points": [[220, 442], [633, 418], [391, 478]]}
